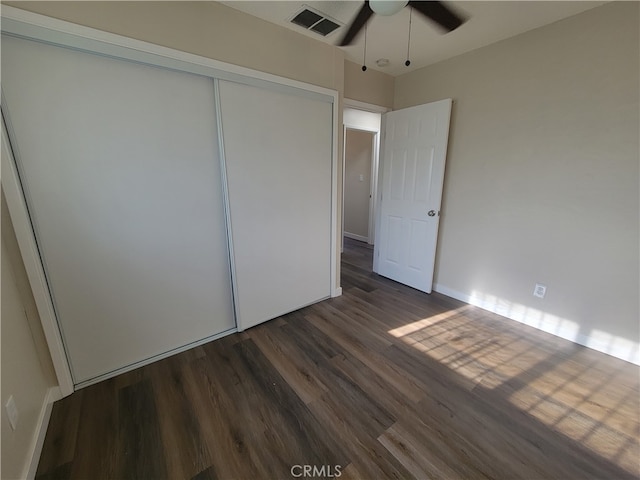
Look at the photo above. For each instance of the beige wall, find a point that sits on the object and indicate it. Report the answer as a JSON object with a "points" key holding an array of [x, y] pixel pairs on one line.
{"points": [[542, 171], [358, 152], [370, 87], [211, 30], [27, 372]]}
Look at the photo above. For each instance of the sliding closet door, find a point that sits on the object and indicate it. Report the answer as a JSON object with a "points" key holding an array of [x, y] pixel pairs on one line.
{"points": [[278, 151], [120, 167]]}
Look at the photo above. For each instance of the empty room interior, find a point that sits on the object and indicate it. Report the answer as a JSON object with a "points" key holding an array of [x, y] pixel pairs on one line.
{"points": [[321, 239]]}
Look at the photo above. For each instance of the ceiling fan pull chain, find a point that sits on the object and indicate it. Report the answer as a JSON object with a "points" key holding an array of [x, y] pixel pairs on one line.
{"points": [[364, 57], [408, 62]]}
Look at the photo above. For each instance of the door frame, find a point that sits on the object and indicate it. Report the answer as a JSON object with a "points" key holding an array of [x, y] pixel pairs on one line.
{"points": [[29, 252], [49, 30], [375, 161], [375, 142]]}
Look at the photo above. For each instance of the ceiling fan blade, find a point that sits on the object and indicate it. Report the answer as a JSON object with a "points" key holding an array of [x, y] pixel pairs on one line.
{"points": [[437, 12], [358, 23]]}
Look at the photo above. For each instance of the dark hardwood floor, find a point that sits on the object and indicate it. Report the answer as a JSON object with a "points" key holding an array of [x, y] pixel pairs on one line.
{"points": [[382, 382]]}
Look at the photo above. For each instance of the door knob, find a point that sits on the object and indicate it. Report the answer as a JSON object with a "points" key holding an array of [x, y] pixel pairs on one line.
{"points": [[432, 213]]}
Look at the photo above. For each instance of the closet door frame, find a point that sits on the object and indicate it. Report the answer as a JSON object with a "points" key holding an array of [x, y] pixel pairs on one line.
{"points": [[37, 27]]}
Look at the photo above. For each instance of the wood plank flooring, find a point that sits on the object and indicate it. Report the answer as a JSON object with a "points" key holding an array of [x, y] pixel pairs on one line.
{"points": [[383, 382]]}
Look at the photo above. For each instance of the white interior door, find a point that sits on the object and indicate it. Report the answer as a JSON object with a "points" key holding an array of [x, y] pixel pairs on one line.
{"points": [[413, 160], [278, 156], [119, 162]]}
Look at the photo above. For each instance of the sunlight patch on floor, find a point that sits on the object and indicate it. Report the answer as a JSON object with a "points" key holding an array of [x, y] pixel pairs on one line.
{"points": [[582, 408], [425, 322], [555, 385]]}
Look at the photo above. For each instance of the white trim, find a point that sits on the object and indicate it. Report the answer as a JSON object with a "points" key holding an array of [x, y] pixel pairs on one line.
{"points": [[375, 163], [378, 190], [367, 107], [372, 183], [53, 394], [623, 349], [373, 205], [355, 126], [33, 266], [336, 289], [33, 26], [344, 168], [354, 236], [225, 202]]}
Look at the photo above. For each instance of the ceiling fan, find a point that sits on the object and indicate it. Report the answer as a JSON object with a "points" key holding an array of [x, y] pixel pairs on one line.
{"points": [[435, 11]]}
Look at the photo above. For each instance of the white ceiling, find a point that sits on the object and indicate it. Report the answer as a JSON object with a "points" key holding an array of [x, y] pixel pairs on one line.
{"points": [[488, 22]]}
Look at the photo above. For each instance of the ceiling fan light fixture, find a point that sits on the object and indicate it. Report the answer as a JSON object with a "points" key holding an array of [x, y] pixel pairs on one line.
{"points": [[387, 7]]}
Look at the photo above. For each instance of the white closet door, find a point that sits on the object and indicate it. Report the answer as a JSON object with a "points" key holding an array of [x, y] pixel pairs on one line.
{"points": [[121, 170], [278, 150]]}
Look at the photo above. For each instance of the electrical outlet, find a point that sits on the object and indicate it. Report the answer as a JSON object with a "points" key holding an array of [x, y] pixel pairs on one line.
{"points": [[12, 412], [540, 290]]}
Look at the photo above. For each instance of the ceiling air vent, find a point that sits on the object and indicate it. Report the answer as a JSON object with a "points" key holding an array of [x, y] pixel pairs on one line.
{"points": [[314, 20]]}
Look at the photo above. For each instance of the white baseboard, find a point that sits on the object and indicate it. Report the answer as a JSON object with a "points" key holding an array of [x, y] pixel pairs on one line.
{"points": [[618, 347], [53, 394], [356, 237], [337, 292]]}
